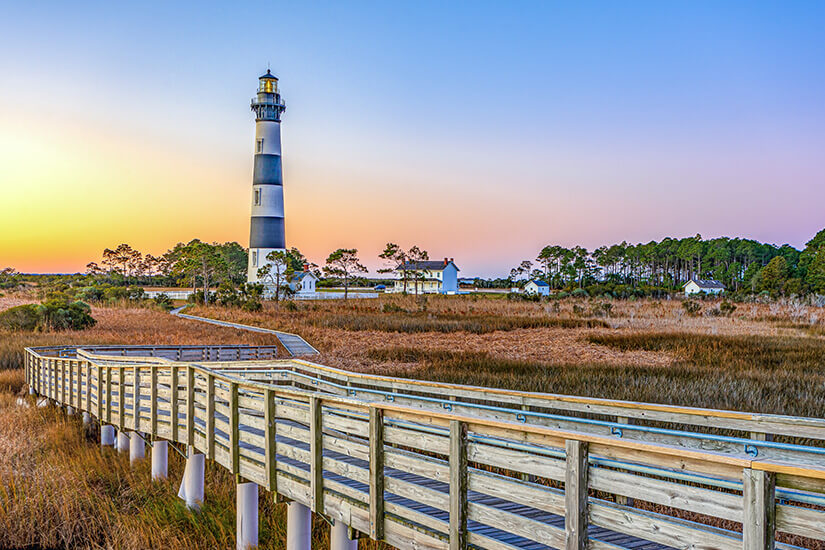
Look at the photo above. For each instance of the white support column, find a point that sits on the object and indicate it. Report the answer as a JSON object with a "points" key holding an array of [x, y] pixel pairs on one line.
{"points": [[160, 460], [339, 537], [31, 390], [191, 488], [246, 510], [107, 435], [298, 526], [137, 447], [87, 419], [70, 410], [122, 441]]}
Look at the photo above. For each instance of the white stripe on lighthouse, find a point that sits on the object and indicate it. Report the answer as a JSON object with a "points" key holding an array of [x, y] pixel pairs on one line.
{"points": [[270, 132]]}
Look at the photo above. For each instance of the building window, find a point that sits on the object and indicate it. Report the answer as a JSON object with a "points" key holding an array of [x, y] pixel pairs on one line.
{"points": [[257, 197], [254, 259], [259, 145]]}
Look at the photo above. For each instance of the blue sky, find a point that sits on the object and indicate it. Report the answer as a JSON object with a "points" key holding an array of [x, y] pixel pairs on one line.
{"points": [[480, 131]]}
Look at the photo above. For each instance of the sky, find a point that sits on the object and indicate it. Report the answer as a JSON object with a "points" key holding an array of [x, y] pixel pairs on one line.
{"points": [[480, 131]]}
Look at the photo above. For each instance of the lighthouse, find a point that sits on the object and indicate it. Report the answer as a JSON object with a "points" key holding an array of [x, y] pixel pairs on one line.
{"points": [[266, 233]]}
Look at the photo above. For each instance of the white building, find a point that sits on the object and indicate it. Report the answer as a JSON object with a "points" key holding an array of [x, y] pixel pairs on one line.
{"points": [[538, 287], [708, 286], [427, 277], [303, 283]]}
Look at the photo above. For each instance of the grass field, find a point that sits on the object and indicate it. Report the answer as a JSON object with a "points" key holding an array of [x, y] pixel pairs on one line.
{"points": [[59, 490]]}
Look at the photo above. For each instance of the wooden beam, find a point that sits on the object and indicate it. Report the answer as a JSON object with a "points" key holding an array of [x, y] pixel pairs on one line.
{"points": [[270, 435], [88, 369], [376, 473], [575, 495], [121, 397], [210, 416], [759, 501], [153, 393], [173, 401], [136, 398], [234, 442], [316, 455], [458, 485], [190, 406]]}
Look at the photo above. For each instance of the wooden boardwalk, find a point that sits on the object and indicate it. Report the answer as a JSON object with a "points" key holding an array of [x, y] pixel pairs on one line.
{"points": [[293, 343], [425, 465]]}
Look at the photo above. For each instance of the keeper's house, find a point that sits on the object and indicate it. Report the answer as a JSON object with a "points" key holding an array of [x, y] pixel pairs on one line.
{"points": [[708, 286], [537, 287], [427, 277]]}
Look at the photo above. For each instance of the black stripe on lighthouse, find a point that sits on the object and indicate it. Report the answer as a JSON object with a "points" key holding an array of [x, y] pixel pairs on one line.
{"points": [[267, 232], [267, 170]]}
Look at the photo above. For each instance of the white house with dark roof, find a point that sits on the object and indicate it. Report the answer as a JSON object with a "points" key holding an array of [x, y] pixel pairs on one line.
{"points": [[538, 287], [302, 283], [708, 286], [427, 277]]}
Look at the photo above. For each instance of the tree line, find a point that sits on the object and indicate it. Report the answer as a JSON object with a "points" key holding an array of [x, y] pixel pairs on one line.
{"points": [[742, 265]]}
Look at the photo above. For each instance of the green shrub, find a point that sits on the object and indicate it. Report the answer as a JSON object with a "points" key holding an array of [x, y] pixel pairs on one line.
{"points": [[726, 308], [393, 308], [164, 302], [692, 307], [60, 314], [54, 314], [22, 318], [289, 305], [579, 293]]}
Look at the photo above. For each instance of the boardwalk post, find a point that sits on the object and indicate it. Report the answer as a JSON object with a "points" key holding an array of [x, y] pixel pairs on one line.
{"points": [[759, 500], [246, 510], [160, 459], [234, 430], [191, 487], [575, 495], [136, 398], [137, 447], [298, 526], [87, 418], [210, 416], [107, 435], [122, 441], [376, 473], [190, 406], [339, 537], [458, 485], [316, 455], [270, 434], [173, 401]]}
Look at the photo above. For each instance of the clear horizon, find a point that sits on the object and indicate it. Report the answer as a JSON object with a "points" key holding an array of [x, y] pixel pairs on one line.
{"points": [[480, 134]]}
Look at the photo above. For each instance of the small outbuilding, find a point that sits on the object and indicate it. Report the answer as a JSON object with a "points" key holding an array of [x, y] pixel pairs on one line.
{"points": [[708, 286], [537, 286], [303, 283]]}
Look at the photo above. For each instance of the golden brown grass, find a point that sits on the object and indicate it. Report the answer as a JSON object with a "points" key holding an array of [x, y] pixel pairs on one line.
{"points": [[59, 490]]}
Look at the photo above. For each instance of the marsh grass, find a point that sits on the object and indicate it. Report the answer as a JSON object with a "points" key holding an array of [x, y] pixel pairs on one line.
{"points": [[429, 322], [60, 490], [770, 375]]}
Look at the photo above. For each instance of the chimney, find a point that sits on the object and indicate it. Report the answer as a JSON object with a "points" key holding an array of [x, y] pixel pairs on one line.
{"points": [[451, 260], [445, 261], [306, 266]]}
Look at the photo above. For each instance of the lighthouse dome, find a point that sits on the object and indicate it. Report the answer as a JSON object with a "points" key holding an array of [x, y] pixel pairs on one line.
{"points": [[268, 75]]}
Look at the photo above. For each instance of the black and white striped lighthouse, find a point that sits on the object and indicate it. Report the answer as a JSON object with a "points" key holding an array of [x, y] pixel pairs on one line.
{"points": [[266, 232]]}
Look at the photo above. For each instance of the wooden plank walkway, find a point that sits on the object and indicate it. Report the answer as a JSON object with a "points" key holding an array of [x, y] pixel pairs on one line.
{"points": [[293, 343], [431, 476]]}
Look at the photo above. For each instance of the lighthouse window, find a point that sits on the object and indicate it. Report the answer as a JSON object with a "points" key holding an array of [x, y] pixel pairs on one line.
{"points": [[257, 197], [260, 146], [254, 259]]}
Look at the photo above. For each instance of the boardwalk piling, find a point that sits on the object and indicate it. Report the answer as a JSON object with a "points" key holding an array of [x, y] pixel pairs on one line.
{"points": [[246, 506], [339, 538], [160, 460], [191, 488], [298, 526], [87, 418], [107, 435], [122, 441], [137, 447]]}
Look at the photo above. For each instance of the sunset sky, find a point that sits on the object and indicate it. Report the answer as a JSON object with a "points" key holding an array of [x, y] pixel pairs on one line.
{"points": [[479, 131]]}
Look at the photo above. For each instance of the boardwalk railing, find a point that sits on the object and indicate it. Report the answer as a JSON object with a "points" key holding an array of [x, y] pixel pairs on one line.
{"points": [[424, 465]]}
